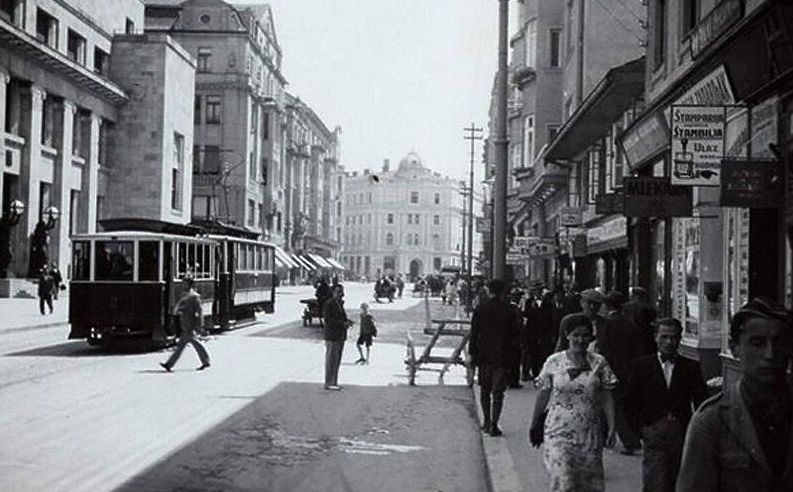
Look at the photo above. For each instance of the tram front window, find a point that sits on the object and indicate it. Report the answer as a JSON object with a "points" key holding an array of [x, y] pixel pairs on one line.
{"points": [[148, 260], [114, 260]]}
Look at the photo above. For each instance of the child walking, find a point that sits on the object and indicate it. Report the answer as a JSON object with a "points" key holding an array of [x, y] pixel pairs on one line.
{"points": [[368, 330]]}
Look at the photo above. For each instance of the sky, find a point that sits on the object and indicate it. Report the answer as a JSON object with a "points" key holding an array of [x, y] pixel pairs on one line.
{"points": [[396, 75]]}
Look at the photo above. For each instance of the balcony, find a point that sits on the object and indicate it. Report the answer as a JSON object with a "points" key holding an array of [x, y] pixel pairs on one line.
{"points": [[523, 76], [548, 180], [32, 48]]}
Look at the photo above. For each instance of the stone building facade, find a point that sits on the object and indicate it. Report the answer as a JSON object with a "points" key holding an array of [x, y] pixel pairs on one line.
{"points": [[312, 182], [238, 152], [68, 108], [408, 220]]}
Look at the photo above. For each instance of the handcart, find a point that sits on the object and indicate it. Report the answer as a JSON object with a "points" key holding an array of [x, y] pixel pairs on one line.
{"points": [[312, 311], [460, 328]]}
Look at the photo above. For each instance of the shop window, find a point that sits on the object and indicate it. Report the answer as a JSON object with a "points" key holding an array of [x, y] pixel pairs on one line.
{"points": [[148, 261]]}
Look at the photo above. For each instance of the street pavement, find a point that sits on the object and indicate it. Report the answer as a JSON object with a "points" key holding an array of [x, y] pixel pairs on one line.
{"points": [[78, 418]]}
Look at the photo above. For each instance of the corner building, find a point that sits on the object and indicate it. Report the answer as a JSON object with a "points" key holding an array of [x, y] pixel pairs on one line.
{"points": [[405, 221], [93, 122]]}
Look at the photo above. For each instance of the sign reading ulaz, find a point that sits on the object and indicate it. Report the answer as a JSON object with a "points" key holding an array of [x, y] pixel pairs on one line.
{"points": [[697, 144], [656, 197]]}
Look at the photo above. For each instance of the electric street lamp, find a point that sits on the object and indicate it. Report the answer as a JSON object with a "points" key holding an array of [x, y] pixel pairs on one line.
{"points": [[52, 214]]}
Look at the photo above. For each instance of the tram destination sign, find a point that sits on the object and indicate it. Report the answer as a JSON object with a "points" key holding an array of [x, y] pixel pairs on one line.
{"points": [[752, 184], [697, 136], [656, 197]]}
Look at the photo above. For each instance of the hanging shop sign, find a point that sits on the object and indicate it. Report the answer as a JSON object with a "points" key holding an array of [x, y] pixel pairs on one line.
{"points": [[515, 258], [752, 184], [522, 242], [579, 246], [649, 196], [570, 216], [645, 139], [615, 228], [721, 17], [609, 203], [697, 137], [544, 247], [713, 90]]}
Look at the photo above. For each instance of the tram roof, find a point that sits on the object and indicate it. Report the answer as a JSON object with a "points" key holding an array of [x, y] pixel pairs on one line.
{"points": [[145, 235]]}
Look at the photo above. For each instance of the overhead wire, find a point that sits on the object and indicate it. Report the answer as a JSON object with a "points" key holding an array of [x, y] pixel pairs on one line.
{"points": [[619, 21]]}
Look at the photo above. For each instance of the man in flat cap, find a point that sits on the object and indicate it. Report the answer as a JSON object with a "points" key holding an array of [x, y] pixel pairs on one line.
{"points": [[591, 300], [742, 438]]}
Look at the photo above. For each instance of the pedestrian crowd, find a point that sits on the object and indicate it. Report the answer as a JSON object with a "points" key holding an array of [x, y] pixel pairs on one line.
{"points": [[607, 370]]}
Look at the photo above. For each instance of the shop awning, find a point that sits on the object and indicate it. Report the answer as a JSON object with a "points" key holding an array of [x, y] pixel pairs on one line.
{"points": [[305, 264], [283, 259], [319, 261], [335, 263], [603, 106]]}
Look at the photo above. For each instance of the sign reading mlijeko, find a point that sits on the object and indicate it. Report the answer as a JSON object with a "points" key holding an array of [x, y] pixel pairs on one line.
{"points": [[649, 196], [697, 134]]}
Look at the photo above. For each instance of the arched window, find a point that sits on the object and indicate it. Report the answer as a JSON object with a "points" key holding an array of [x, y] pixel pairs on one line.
{"points": [[389, 239]]}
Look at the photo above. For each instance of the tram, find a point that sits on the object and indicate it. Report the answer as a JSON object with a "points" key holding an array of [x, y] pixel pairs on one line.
{"points": [[126, 280]]}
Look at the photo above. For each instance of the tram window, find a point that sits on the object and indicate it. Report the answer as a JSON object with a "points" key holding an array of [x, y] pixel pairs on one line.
{"points": [[191, 260], [258, 257], [181, 259], [251, 257], [268, 259], [81, 261], [241, 257], [148, 260], [202, 261], [114, 260], [231, 257]]}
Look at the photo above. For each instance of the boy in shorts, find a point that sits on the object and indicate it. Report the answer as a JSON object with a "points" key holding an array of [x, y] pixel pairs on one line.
{"points": [[368, 330]]}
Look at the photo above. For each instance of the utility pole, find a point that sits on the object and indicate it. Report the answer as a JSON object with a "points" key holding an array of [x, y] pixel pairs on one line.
{"points": [[463, 192], [500, 192], [472, 134]]}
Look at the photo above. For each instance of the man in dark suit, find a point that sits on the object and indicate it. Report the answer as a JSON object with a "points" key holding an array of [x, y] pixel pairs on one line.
{"points": [[643, 315], [663, 390], [619, 344], [590, 303], [494, 347], [336, 324]]}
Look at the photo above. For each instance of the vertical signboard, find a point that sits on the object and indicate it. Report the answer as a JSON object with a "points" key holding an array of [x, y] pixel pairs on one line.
{"points": [[697, 135]]}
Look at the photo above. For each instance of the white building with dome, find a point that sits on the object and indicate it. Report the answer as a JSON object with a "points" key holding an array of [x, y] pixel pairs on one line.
{"points": [[409, 220]]}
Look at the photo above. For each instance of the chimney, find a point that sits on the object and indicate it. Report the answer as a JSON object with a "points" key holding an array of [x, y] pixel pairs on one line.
{"points": [[386, 165]]}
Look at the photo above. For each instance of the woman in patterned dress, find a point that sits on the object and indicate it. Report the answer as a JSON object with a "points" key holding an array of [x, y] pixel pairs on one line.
{"points": [[575, 390]]}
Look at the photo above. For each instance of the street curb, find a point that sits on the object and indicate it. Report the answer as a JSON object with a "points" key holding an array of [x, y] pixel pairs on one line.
{"points": [[498, 461], [42, 326]]}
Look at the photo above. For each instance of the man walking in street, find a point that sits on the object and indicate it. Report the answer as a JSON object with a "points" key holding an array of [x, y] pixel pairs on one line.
{"points": [[494, 345], [742, 438], [662, 391], [191, 318], [45, 290], [336, 324], [619, 345], [591, 300]]}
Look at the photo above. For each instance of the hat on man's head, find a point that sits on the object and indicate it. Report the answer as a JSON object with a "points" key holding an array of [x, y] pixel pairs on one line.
{"points": [[592, 295], [762, 308]]}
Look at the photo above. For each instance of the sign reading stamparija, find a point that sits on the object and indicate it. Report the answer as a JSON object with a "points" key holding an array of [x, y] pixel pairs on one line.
{"points": [[697, 137]]}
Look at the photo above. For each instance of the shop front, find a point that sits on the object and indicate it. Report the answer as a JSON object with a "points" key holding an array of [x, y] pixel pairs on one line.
{"points": [[728, 251], [607, 262]]}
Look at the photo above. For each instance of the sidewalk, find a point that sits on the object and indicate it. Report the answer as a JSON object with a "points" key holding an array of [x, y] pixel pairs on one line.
{"points": [[513, 465], [22, 314]]}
